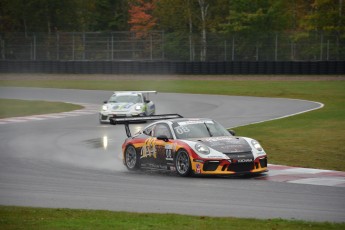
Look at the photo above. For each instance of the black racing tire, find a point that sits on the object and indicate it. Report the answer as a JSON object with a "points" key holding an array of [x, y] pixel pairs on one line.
{"points": [[132, 159], [182, 163], [101, 121]]}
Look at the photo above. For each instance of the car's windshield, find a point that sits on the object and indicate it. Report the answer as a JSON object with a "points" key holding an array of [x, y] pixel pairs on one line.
{"points": [[198, 129], [135, 98]]}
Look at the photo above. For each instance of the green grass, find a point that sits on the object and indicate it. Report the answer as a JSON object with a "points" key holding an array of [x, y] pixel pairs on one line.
{"points": [[314, 139], [18, 108], [42, 218]]}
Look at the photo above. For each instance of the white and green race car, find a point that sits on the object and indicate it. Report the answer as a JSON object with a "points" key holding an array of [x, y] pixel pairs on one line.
{"points": [[127, 104]]}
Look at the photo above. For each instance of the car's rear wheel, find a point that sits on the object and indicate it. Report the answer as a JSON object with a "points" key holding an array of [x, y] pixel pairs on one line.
{"points": [[182, 163], [131, 158]]}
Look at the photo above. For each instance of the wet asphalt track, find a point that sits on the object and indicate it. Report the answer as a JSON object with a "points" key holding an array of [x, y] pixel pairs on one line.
{"points": [[64, 163]]}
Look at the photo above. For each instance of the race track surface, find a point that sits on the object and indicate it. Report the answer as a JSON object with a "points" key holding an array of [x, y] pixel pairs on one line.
{"points": [[69, 160]]}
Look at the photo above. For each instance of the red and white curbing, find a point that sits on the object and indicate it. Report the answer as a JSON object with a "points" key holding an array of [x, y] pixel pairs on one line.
{"points": [[88, 109], [281, 173]]}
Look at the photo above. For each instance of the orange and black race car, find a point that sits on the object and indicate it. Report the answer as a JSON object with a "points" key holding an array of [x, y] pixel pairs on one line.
{"points": [[191, 146]]}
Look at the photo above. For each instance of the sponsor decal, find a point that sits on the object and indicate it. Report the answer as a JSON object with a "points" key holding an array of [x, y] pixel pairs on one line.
{"points": [[128, 106], [198, 168], [244, 160], [120, 107], [191, 122], [214, 156], [149, 148], [224, 138]]}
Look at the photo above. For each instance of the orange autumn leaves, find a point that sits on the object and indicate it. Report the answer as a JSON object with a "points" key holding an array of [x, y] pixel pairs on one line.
{"points": [[140, 17]]}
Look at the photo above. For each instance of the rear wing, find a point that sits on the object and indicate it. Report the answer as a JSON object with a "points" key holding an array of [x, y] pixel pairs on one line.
{"points": [[150, 91], [146, 94], [127, 120]]}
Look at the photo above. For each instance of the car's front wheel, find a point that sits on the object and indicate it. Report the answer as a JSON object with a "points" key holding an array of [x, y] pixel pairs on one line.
{"points": [[102, 119], [182, 163], [131, 158]]}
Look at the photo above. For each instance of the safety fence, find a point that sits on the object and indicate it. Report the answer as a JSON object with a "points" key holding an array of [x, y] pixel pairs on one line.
{"points": [[172, 67], [161, 46]]}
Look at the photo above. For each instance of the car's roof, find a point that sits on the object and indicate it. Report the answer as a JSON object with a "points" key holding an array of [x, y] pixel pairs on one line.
{"points": [[134, 92]]}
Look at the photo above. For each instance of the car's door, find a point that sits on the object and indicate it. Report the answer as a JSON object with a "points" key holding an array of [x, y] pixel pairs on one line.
{"points": [[148, 150], [163, 144]]}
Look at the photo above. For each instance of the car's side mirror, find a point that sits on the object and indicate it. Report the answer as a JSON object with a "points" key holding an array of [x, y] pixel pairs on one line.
{"points": [[232, 132], [163, 138], [105, 102], [147, 101]]}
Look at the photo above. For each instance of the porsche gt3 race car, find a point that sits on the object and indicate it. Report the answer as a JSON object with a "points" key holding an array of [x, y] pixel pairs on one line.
{"points": [[191, 146], [127, 104]]}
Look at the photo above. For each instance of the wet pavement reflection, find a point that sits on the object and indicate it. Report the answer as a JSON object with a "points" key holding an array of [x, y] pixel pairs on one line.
{"points": [[97, 143]]}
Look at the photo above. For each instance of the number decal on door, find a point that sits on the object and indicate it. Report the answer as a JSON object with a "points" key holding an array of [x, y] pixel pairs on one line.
{"points": [[168, 152]]}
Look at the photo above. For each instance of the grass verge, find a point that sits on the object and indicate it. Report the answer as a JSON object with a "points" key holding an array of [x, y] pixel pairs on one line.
{"points": [[43, 218], [19, 108]]}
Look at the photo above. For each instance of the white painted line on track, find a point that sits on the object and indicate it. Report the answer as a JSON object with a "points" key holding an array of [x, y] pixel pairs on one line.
{"points": [[88, 109], [320, 105]]}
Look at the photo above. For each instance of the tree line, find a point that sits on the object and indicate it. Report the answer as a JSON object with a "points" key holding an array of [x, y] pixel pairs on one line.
{"points": [[193, 21], [178, 16]]}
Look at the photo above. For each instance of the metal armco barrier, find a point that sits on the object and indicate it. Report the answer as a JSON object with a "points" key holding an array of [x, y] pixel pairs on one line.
{"points": [[171, 67]]}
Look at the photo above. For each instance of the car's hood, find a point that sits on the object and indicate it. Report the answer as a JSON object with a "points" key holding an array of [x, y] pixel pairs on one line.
{"points": [[123, 106], [226, 144]]}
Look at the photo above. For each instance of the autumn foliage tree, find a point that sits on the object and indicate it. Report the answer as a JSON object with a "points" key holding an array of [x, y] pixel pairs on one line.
{"points": [[141, 20], [192, 28]]}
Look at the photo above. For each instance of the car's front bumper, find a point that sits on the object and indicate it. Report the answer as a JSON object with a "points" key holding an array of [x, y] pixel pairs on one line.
{"points": [[225, 167], [105, 117]]}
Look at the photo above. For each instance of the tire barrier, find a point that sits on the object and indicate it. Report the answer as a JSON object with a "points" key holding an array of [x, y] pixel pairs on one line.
{"points": [[173, 67]]}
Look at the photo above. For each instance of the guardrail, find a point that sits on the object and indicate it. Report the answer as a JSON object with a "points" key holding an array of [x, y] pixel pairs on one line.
{"points": [[173, 67]]}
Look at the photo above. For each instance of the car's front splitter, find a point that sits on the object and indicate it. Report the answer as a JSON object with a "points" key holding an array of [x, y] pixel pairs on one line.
{"points": [[226, 167], [106, 118]]}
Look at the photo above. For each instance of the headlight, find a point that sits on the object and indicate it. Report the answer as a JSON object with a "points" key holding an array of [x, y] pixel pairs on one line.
{"points": [[104, 107], [203, 149], [138, 107], [256, 145]]}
